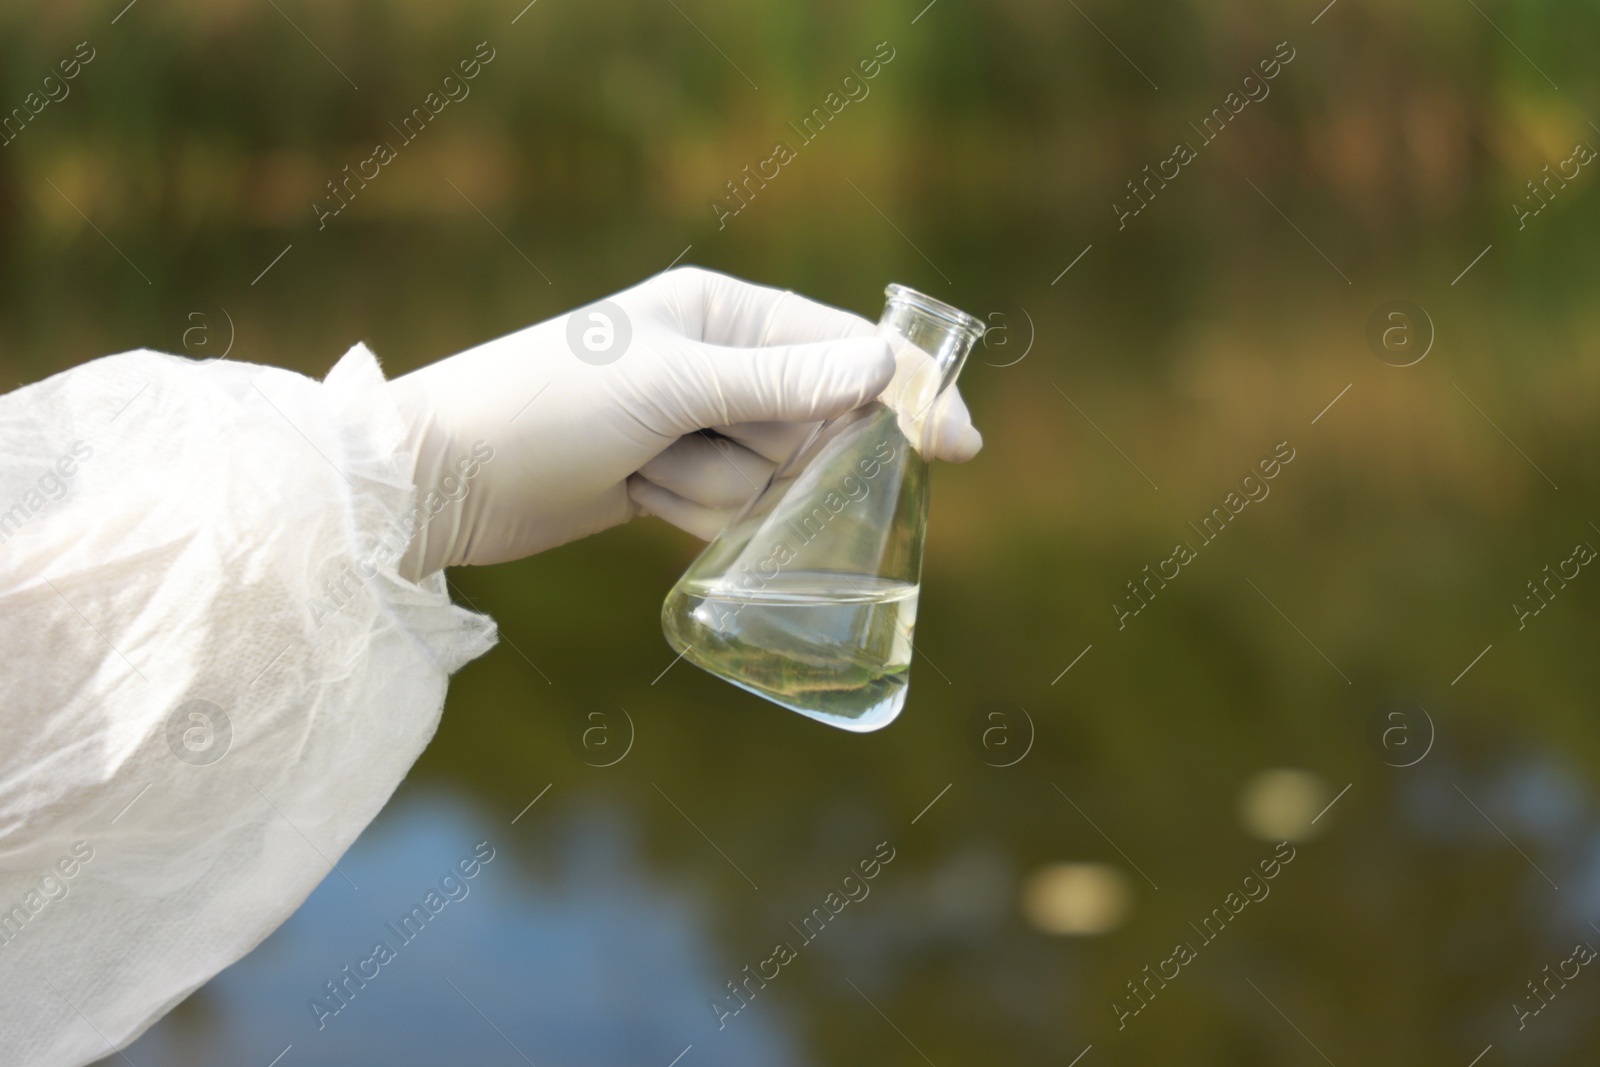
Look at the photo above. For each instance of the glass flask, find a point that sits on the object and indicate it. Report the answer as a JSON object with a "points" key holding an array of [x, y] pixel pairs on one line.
{"points": [[809, 597]]}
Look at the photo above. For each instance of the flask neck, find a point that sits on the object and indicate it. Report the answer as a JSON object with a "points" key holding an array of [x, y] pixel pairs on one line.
{"points": [[945, 333]]}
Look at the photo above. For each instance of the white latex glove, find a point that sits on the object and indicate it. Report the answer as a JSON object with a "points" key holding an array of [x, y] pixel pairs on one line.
{"points": [[677, 398]]}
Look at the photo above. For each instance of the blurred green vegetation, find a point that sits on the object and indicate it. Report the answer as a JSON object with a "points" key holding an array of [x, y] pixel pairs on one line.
{"points": [[1206, 331]]}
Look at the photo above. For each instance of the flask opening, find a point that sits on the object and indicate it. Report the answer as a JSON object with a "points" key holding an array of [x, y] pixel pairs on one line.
{"points": [[902, 296]]}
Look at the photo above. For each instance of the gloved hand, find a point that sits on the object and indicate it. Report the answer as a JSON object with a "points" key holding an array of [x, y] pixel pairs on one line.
{"points": [[677, 398]]}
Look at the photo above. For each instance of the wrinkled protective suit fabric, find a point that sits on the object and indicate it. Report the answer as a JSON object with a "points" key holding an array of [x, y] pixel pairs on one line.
{"points": [[167, 528]]}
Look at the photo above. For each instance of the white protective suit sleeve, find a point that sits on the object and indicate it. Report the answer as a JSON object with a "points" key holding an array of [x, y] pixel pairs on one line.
{"points": [[195, 720]]}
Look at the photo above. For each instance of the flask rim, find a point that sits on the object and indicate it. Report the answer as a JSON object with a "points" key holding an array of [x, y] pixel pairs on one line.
{"points": [[905, 296]]}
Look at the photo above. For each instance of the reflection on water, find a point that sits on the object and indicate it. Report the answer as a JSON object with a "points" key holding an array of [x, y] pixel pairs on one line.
{"points": [[1077, 898], [1283, 804], [568, 945], [572, 952]]}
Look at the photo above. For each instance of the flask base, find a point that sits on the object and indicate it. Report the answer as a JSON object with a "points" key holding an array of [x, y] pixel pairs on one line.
{"points": [[831, 646]]}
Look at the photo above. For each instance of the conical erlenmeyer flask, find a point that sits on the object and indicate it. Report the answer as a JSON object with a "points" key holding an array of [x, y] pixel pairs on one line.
{"points": [[809, 597]]}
